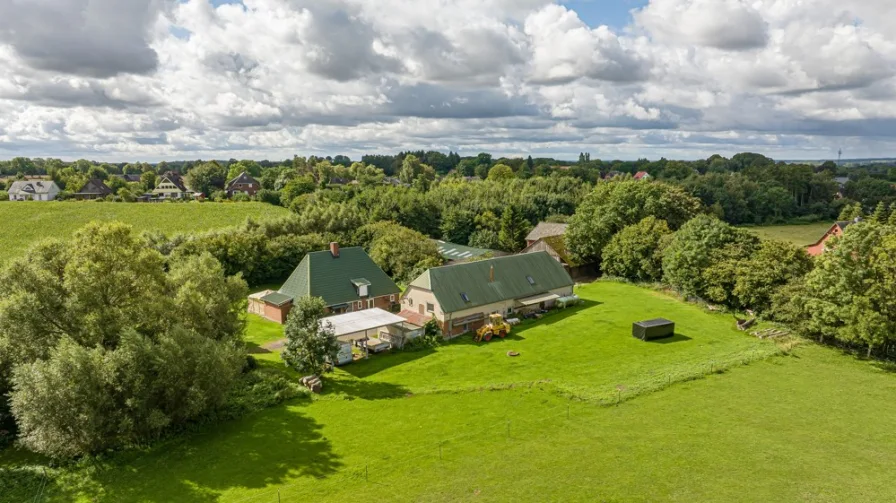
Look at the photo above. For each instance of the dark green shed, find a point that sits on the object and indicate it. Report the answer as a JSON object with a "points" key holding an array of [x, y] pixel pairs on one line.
{"points": [[653, 329]]}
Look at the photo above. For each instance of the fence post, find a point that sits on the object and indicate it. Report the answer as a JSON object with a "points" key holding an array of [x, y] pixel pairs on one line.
{"points": [[366, 472], [567, 411], [508, 429], [278, 496], [440, 451]]}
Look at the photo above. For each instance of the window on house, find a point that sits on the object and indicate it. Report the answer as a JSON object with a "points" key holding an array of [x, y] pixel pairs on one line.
{"points": [[530, 279], [410, 302], [369, 303], [463, 295], [392, 298], [430, 308], [360, 305]]}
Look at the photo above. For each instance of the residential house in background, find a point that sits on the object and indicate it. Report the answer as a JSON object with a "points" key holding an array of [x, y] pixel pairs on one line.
{"points": [[545, 230], [460, 297], [642, 175], [129, 178], [243, 184], [33, 190], [836, 230], [93, 189], [171, 186], [347, 279]]}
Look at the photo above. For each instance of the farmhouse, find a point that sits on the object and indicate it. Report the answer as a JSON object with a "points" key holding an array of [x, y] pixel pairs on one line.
{"points": [[836, 230], [243, 184], [171, 186], [93, 189], [347, 279], [461, 296], [642, 175], [33, 190], [545, 230]]}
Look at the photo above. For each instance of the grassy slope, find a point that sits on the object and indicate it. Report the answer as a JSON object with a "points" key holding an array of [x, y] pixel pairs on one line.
{"points": [[26, 223], [800, 235], [812, 427]]}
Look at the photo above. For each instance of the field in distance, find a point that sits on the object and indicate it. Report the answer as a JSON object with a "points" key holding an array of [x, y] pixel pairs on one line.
{"points": [[23, 224], [800, 235]]}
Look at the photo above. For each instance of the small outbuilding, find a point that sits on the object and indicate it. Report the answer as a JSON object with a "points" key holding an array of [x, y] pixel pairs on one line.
{"points": [[653, 329], [371, 329]]}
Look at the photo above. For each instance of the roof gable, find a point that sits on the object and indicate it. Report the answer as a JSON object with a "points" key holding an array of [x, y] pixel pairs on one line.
{"points": [[95, 186], [33, 187], [174, 179], [451, 283], [546, 229], [243, 178], [321, 275]]}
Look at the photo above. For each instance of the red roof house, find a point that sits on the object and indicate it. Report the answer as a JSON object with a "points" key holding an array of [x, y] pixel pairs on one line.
{"points": [[836, 230]]}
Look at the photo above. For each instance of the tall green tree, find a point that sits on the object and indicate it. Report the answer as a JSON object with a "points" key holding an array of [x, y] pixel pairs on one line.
{"points": [[613, 205], [636, 252], [207, 177], [700, 244], [161, 347], [500, 173], [514, 228], [311, 346]]}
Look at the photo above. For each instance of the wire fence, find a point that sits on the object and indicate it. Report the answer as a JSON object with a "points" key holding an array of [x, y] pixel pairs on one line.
{"points": [[394, 471], [442, 454]]}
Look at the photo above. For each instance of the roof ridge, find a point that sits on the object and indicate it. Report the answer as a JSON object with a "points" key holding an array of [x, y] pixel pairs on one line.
{"points": [[485, 260]]}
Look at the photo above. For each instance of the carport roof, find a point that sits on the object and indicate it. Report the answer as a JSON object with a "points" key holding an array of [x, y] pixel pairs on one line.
{"points": [[360, 321]]}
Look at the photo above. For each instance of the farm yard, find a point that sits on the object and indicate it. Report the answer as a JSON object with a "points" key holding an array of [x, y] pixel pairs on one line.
{"points": [[36, 221], [712, 414], [799, 235]]}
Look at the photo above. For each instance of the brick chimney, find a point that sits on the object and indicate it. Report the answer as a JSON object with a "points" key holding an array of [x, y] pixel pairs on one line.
{"points": [[334, 249], [491, 274]]}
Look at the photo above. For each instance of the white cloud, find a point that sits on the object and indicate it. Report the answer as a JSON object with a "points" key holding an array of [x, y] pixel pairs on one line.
{"points": [[153, 79]]}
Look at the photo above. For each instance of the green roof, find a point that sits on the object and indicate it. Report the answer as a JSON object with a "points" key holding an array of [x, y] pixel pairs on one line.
{"points": [[276, 298], [321, 275], [448, 283], [456, 252]]}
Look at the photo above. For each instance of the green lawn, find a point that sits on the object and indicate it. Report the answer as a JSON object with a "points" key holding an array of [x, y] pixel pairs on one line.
{"points": [[28, 222], [800, 235], [813, 426]]}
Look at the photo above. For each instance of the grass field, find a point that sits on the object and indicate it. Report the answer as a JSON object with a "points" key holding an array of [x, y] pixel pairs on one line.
{"points": [[800, 235], [26, 223], [465, 422]]}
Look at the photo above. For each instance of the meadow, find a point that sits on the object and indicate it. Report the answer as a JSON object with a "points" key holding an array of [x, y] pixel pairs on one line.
{"points": [[710, 415], [26, 223], [800, 235]]}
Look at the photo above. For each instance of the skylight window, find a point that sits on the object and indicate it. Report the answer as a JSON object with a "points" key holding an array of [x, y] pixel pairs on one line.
{"points": [[463, 295], [530, 279]]}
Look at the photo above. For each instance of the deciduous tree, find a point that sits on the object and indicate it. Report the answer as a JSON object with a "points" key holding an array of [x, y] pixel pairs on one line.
{"points": [[311, 347]]}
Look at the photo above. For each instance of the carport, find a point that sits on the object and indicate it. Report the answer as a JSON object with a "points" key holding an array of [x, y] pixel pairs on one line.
{"points": [[364, 327]]}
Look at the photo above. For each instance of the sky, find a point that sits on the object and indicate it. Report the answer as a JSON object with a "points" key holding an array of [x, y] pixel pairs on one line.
{"points": [[150, 80]]}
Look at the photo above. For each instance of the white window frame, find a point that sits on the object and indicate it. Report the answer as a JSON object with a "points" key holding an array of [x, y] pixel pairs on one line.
{"points": [[360, 305], [430, 308], [370, 303]]}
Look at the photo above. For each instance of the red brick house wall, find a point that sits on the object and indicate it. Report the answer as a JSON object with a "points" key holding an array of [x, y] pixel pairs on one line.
{"points": [[277, 314]]}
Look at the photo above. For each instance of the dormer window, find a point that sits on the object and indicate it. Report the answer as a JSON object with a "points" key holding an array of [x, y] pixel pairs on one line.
{"points": [[361, 287]]}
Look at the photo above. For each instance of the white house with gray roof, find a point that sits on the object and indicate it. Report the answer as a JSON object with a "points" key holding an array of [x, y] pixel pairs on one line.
{"points": [[33, 190]]}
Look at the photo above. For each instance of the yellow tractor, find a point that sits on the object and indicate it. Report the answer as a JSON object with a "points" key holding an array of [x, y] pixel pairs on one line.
{"points": [[495, 326]]}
